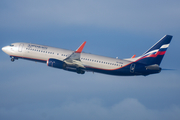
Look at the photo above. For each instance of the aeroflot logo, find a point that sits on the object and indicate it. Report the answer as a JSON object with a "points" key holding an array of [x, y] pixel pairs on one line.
{"points": [[37, 46]]}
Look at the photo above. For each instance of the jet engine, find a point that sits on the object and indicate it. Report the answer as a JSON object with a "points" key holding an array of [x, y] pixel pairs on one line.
{"points": [[62, 65]]}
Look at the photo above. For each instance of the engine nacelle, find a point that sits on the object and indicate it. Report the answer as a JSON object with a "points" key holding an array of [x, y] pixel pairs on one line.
{"points": [[62, 65], [55, 63]]}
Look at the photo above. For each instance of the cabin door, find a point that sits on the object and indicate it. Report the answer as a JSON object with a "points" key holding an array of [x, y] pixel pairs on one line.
{"points": [[20, 47], [132, 67]]}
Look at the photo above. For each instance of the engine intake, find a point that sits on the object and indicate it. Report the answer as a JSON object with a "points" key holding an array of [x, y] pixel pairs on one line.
{"points": [[55, 63]]}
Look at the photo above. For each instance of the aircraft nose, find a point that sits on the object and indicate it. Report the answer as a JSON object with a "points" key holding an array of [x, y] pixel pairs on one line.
{"points": [[4, 48]]}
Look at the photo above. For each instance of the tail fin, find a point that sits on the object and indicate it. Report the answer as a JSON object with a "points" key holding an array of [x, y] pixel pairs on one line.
{"points": [[155, 54]]}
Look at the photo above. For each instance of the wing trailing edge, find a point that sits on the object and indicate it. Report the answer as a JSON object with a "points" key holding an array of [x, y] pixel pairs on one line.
{"points": [[74, 58]]}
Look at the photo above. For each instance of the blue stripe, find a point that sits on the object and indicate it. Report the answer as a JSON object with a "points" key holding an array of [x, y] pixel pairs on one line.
{"points": [[163, 49]]}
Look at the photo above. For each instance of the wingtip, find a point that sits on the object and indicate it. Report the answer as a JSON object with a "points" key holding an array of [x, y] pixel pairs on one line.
{"points": [[79, 50]]}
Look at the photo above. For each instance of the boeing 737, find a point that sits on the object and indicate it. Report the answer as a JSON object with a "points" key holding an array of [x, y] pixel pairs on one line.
{"points": [[79, 62]]}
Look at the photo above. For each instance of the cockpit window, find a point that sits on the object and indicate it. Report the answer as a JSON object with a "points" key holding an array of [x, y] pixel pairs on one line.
{"points": [[11, 45]]}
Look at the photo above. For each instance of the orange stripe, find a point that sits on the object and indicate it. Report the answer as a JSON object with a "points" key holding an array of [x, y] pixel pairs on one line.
{"points": [[111, 69]]}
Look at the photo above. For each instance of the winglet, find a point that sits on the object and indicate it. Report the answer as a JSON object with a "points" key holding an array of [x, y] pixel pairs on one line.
{"points": [[79, 50]]}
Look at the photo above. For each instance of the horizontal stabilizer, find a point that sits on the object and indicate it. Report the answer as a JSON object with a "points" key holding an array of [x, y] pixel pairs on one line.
{"points": [[133, 56]]}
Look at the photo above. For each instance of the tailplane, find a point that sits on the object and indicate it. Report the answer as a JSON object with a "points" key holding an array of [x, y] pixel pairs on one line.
{"points": [[155, 54]]}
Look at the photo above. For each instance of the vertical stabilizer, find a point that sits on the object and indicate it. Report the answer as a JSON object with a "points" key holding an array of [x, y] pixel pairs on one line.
{"points": [[155, 54]]}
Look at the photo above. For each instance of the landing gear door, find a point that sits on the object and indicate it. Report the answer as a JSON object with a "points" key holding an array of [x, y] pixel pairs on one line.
{"points": [[132, 68], [20, 47]]}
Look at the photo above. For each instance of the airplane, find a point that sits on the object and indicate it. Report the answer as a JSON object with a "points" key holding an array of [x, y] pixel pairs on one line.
{"points": [[80, 62]]}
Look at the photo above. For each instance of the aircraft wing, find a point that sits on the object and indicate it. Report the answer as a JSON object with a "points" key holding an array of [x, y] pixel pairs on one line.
{"points": [[74, 58]]}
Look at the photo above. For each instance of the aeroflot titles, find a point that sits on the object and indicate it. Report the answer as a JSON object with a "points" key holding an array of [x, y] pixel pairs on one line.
{"points": [[37, 46], [37, 50]]}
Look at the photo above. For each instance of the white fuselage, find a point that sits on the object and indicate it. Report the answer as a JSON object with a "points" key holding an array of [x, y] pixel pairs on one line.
{"points": [[43, 53]]}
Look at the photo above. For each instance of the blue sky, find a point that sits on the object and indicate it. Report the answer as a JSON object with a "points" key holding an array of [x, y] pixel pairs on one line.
{"points": [[116, 28]]}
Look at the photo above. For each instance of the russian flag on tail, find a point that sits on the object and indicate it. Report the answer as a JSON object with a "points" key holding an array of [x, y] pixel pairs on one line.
{"points": [[155, 54]]}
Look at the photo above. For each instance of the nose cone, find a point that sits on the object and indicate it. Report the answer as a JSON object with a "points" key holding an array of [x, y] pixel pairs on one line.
{"points": [[4, 49]]}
